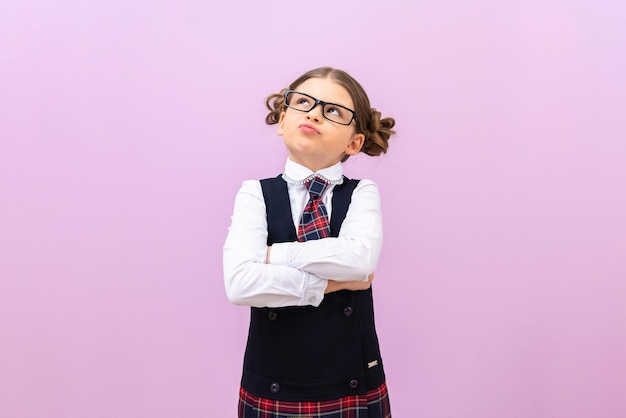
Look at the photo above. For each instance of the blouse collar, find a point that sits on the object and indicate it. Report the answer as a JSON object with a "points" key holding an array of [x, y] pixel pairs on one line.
{"points": [[298, 174]]}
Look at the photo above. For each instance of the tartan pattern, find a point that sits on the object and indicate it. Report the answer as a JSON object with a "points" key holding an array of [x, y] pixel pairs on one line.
{"points": [[374, 404], [314, 220]]}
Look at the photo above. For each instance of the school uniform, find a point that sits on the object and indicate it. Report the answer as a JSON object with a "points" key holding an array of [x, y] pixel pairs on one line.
{"points": [[308, 354]]}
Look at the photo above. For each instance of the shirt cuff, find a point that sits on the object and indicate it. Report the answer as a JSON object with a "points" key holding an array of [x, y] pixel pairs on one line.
{"points": [[279, 255], [314, 288]]}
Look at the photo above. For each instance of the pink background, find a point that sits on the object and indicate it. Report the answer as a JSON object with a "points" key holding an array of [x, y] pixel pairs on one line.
{"points": [[501, 291]]}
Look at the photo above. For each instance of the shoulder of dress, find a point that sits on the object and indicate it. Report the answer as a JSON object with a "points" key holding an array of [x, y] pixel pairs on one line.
{"points": [[250, 186], [361, 182]]}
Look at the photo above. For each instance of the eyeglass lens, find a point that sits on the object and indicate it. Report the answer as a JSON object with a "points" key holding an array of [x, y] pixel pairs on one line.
{"points": [[332, 112]]}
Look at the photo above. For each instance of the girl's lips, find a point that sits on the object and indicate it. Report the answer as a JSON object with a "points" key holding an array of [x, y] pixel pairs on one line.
{"points": [[308, 129]]}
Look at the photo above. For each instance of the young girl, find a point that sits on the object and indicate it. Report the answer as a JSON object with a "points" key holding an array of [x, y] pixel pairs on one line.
{"points": [[301, 251]]}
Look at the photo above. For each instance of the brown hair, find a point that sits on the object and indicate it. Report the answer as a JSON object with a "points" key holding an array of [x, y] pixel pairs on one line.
{"points": [[368, 121]]}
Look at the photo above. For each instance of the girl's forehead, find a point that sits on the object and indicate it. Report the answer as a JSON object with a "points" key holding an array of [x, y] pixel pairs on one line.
{"points": [[327, 90]]}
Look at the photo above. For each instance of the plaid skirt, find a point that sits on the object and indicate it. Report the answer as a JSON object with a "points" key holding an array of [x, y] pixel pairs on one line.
{"points": [[374, 404]]}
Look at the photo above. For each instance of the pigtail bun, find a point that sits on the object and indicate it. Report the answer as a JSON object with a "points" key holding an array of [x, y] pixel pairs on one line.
{"points": [[377, 134], [275, 104]]}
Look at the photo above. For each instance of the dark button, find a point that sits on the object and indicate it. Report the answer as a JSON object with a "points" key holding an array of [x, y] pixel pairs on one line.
{"points": [[347, 311], [354, 384], [274, 388], [271, 315]]}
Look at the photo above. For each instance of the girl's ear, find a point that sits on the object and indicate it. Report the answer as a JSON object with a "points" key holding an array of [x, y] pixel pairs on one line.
{"points": [[355, 144], [281, 127]]}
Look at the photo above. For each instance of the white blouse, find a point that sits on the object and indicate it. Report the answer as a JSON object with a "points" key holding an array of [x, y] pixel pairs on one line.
{"points": [[298, 272]]}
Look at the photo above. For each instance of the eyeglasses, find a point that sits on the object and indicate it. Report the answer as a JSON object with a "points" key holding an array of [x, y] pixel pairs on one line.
{"points": [[331, 111]]}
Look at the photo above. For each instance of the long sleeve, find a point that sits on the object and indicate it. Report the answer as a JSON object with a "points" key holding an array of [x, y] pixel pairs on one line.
{"points": [[248, 279], [353, 255]]}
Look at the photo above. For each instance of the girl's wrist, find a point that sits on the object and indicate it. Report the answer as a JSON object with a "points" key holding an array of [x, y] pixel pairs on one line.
{"points": [[332, 286]]}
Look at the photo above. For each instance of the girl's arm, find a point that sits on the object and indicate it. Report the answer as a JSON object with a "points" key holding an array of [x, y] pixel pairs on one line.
{"points": [[334, 286], [351, 256], [248, 279]]}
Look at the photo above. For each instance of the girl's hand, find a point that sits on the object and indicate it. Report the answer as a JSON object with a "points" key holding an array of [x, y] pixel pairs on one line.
{"points": [[334, 286]]}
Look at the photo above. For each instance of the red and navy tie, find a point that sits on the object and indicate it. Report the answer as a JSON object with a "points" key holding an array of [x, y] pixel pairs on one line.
{"points": [[314, 220]]}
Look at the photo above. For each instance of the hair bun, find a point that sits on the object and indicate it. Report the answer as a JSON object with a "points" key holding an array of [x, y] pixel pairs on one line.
{"points": [[275, 104], [377, 134]]}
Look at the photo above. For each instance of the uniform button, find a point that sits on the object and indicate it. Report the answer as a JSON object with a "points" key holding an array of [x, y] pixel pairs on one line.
{"points": [[274, 388], [354, 384], [271, 315], [347, 311]]}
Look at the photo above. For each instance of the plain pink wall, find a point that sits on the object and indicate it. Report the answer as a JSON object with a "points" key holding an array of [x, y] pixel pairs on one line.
{"points": [[501, 289]]}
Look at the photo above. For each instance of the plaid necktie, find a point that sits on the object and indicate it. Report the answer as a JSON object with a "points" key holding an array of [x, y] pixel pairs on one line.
{"points": [[314, 220]]}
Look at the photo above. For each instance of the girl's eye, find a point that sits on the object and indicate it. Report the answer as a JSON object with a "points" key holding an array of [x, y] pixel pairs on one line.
{"points": [[334, 111], [302, 101]]}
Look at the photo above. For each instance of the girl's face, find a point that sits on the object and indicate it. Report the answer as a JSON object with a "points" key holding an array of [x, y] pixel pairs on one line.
{"points": [[312, 140]]}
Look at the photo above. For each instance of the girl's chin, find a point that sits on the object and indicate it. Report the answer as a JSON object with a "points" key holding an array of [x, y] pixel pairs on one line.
{"points": [[303, 148]]}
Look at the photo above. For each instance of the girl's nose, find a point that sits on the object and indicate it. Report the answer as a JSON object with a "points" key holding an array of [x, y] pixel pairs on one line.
{"points": [[315, 113]]}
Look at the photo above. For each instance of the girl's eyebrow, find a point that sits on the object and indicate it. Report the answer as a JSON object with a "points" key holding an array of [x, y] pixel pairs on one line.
{"points": [[340, 105], [325, 101], [329, 102]]}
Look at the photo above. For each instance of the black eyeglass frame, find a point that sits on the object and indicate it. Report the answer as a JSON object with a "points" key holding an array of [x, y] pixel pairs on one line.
{"points": [[320, 102]]}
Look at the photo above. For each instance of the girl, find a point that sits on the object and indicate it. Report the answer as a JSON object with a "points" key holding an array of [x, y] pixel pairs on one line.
{"points": [[301, 251]]}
